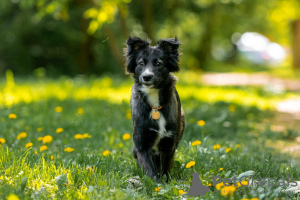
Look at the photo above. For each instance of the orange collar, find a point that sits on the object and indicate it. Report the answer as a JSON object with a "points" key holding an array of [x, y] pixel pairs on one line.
{"points": [[160, 107]]}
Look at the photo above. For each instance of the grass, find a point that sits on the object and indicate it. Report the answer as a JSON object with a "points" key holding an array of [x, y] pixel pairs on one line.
{"points": [[232, 117]]}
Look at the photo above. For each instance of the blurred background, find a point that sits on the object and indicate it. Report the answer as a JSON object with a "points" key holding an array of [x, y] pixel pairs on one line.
{"points": [[64, 37]]}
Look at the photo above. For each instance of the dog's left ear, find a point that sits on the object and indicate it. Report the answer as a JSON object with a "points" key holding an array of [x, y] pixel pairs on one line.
{"points": [[170, 47]]}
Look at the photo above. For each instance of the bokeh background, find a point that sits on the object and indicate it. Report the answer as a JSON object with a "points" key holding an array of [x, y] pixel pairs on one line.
{"points": [[88, 36], [65, 119]]}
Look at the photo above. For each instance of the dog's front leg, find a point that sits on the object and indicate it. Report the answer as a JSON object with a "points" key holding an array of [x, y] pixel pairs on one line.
{"points": [[144, 159]]}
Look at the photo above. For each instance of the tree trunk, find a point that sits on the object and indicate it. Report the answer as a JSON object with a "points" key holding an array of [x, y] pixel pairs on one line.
{"points": [[148, 18], [296, 44]]}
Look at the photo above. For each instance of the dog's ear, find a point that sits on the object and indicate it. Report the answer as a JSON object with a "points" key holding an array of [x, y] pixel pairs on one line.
{"points": [[170, 47], [134, 45]]}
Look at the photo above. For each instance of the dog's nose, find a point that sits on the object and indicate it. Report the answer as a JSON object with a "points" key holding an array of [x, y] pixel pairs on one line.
{"points": [[147, 77]]}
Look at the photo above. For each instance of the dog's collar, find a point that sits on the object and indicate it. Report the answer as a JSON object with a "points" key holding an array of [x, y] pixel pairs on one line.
{"points": [[158, 108]]}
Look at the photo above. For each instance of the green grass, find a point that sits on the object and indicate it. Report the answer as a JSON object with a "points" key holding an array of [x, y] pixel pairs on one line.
{"points": [[234, 118]]}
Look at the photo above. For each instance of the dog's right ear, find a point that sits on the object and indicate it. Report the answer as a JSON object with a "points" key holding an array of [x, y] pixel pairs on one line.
{"points": [[134, 45]]}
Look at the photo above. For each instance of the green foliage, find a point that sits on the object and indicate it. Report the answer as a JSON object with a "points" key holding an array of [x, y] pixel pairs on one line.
{"points": [[71, 37]]}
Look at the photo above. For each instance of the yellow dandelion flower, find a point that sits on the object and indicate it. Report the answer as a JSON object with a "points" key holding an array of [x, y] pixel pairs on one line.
{"points": [[201, 123], [69, 149], [219, 185], [43, 148], [29, 144], [12, 197], [80, 111], [105, 153], [12, 116], [221, 169], [128, 115], [86, 135], [39, 129], [197, 142], [216, 146], [59, 130], [40, 138], [78, 136], [181, 192], [227, 150], [190, 164], [47, 139], [243, 183], [35, 152], [58, 109], [22, 135], [126, 136], [157, 189], [254, 198], [209, 184], [229, 190], [2, 141], [237, 146], [231, 108], [51, 157]]}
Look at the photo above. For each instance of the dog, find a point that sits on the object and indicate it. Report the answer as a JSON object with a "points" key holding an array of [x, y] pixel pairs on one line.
{"points": [[158, 118]]}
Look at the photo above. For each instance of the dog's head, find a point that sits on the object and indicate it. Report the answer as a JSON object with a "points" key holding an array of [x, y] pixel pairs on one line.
{"points": [[151, 65]]}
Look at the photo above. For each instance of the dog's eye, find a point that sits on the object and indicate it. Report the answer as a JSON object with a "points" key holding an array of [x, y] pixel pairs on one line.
{"points": [[141, 63]]}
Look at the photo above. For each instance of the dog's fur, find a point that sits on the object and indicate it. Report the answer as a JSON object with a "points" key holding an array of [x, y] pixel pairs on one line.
{"points": [[155, 141]]}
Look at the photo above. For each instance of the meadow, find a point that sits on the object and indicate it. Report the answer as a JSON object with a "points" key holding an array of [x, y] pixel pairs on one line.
{"points": [[71, 138]]}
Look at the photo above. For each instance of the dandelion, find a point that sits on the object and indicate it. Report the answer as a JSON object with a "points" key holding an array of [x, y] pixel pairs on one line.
{"points": [[190, 164], [22, 135], [35, 152], [209, 184], [216, 146], [29, 144], [12, 116], [231, 108], [237, 146], [13, 197], [240, 184], [254, 198], [51, 157], [39, 129], [80, 111], [105, 153], [126, 136], [197, 142], [2, 141], [69, 149], [58, 109], [221, 169], [59, 130], [181, 192], [43, 148], [229, 190], [157, 189], [40, 138], [219, 186], [86, 135], [47, 139], [78, 136], [201, 123], [227, 150], [128, 114]]}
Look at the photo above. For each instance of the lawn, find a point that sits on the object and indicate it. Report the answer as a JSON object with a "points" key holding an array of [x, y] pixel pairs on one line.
{"points": [[71, 139]]}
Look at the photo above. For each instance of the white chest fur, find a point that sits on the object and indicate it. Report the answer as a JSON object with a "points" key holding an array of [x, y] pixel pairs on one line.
{"points": [[153, 99]]}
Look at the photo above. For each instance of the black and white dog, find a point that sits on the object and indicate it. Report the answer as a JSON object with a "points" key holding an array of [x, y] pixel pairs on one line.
{"points": [[158, 118]]}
